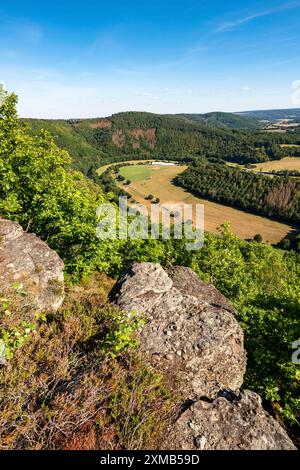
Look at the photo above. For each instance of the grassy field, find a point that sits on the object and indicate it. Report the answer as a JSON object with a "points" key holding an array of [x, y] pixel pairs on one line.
{"points": [[288, 163], [157, 180], [102, 169], [137, 172]]}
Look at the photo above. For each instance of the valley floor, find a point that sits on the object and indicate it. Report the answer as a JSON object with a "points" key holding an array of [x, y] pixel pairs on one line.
{"points": [[157, 180]]}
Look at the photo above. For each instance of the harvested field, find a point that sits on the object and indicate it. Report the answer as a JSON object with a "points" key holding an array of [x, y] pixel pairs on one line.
{"points": [[157, 180]]}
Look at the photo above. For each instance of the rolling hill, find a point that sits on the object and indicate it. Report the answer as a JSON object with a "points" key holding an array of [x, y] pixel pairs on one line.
{"points": [[226, 120], [272, 114], [142, 135]]}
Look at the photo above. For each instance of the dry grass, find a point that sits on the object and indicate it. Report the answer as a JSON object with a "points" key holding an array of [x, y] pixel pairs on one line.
{"points": [[289, 145], [288, 163], [244, 225]]}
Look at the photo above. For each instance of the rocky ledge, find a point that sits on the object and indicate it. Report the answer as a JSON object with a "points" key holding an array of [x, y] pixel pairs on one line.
{"points": [[235, 423], [191, 331], [29, 262], [192, 334]]}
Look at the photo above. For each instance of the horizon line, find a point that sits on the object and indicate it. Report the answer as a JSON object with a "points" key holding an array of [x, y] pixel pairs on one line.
{"points": [[162, 114]]}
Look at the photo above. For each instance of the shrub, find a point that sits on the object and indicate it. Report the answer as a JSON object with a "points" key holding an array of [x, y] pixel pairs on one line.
{"points": [[16, 322], [65, 390], [264, 287], [38, 191], [258, 238]]}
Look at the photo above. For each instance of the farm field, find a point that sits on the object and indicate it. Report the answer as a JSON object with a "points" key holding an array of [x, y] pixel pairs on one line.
{"points": [[137, 173], [289, 145], [288, 163], [103, 168], [157, 180]]}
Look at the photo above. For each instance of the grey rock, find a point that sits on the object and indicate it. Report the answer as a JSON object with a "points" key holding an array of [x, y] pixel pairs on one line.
{"points": [[205, 350], [192, 334], [27, 260], [227, 425]]}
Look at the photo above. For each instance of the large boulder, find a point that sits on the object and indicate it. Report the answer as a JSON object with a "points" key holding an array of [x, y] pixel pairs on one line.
{"points": [[27, 261], [191, 330], [192, 335], [227, 423]]}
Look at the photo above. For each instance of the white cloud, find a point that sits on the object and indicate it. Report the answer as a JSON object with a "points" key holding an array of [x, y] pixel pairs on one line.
{"points": [[229, 25], [246, 88]]}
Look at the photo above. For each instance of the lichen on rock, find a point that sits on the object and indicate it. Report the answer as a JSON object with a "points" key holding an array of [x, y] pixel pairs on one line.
{"points": [[191, 329], [228, 424], [192, 334], [27, 260]]}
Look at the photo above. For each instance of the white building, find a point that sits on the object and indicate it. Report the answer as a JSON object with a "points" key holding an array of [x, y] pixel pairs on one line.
{"points": [[163, 163]]}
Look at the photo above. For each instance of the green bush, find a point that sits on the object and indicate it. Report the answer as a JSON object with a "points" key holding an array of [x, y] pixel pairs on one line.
{"points": [[39, 191], [264, 286], [16, 323]]}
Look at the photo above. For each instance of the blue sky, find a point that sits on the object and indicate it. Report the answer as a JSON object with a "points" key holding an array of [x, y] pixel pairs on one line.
{"points": [[93, 58]]}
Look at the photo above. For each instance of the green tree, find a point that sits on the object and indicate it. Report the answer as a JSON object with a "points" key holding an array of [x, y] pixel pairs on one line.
{"points": [[258, 238], [264, 287], [38, 190], [285, 244]]}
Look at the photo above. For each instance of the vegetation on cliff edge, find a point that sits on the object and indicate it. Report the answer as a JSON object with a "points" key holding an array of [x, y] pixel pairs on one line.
{"points": [[38, 189]]}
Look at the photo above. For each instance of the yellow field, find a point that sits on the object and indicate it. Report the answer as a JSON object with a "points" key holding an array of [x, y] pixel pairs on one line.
{"points": [[288, 163], [245, 225], [289, 145]]}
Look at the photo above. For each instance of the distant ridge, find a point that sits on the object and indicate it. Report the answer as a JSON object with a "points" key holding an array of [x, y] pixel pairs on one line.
{"points": [[135, 135], [272, 114], [226, 120]]}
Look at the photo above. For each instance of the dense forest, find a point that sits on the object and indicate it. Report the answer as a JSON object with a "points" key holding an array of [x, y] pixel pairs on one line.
{"points": [[277, 197], [272, 114], [132, 135], [226, 120]]}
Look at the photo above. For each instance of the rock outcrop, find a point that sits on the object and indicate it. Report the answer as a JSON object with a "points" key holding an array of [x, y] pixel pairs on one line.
{"points": [[192, 334], [191, 330], [240, 423], [26, 260]]}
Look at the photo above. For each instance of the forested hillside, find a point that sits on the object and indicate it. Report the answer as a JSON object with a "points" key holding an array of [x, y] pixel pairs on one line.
{"points": [[226, 120], [277, 197], [272, 114], [124, 136], [83, 152]]}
